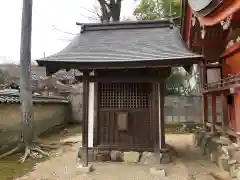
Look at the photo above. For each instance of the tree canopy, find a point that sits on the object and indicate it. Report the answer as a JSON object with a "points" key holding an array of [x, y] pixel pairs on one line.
{"points": [[177, 83], [157, 9]]}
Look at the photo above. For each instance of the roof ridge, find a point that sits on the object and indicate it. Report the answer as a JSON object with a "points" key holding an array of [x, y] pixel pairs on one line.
{"points": [[125, 25]]}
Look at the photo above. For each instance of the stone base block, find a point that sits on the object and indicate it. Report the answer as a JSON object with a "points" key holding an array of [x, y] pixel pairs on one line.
{"points": [[157, 172], [85, 169], [131, 157], [166, 156], [149, 158], [116, 156], [91, 154], [103, 156]]}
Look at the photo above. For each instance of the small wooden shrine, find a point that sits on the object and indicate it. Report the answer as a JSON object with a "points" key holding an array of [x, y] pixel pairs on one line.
{"points": [[124, 68]]}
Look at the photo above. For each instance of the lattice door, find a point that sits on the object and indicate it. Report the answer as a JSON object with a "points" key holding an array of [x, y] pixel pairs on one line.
{"points": [[124, 95]]}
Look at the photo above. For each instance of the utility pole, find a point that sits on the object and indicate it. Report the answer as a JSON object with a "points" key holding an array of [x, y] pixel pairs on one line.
{"points": [[25, 71]]}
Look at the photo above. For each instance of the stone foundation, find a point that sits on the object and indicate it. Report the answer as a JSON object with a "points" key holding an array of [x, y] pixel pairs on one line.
{"points": [[219, 150], [130, 157]]}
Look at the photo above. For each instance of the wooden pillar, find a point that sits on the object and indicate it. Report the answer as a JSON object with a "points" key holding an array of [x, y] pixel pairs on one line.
{"points": [[205, 109], [237, 114], [204, 96], [214, 113], [161, 114], [224, 114], [85, 117]]}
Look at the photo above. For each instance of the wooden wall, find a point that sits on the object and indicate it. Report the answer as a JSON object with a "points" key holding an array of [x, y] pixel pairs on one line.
{"points": [[139, 100]]}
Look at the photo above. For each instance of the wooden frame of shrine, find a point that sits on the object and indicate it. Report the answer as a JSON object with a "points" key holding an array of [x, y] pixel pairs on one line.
{"points": [[124, 68]]}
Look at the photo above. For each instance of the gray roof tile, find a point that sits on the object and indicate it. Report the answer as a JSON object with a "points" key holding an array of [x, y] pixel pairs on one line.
{"points": [[14, 98], [100, 44]]}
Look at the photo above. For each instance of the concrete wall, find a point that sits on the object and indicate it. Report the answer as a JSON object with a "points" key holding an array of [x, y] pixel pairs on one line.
{"points": [[177, 108], [46, 116], [188, 109], [75, 100]]}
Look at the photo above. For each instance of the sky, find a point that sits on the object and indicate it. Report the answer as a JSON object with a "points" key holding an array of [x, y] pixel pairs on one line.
{"points": [[51, 18]]}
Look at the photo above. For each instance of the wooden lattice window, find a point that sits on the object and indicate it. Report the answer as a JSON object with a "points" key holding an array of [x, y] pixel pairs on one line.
{"points": [[124, 95]]}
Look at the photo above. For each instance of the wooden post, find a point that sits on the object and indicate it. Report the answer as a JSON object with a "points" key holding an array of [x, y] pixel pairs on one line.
{"points": [[224, 114], [85, 117], [161, 114], [237, 114], [25, 71], [205, 109], [214, 113], [204, 97]]}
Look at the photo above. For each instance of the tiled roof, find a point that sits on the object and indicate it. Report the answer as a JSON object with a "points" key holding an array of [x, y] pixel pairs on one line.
{"points": [[9, 99], [125, 42], [15, 98]]}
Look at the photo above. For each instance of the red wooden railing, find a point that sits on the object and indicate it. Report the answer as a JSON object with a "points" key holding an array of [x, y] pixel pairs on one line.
{"points": [[223, 83]]}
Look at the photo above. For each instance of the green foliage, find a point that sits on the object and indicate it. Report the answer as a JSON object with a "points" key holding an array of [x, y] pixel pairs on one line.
{"points": [[157, 9], [177, 83]]}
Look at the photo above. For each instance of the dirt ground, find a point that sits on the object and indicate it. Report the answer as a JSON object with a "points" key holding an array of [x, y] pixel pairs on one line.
{"points": [[190, 165]]}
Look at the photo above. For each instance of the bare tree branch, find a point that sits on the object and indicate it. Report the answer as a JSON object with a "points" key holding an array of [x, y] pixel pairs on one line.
{"points": [[55, 28], [94, 11]]}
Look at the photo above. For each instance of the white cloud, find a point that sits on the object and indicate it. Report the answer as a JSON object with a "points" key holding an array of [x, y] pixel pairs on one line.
{"points": [[46, 13]]}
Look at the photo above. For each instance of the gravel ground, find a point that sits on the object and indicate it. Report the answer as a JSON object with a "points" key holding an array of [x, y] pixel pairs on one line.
{"points": [[190, 165]]}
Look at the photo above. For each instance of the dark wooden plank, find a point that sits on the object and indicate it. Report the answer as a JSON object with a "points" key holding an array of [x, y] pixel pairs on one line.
{"points": [[162, 116], [113, 79], [96, 115], [205, 108], [85, 116]]}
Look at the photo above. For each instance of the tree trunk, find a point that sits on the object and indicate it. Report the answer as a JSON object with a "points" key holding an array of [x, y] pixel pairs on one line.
{"points": [[116, 11], [29, 141], [110, 11], [105, 18], [25, 73]]}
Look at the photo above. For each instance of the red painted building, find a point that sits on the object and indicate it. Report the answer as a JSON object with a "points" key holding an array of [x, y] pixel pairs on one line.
{"points": [[211, 28]]}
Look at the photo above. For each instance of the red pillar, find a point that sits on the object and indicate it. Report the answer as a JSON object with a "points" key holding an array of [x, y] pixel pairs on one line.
{"points": [[214, 113], [237, 113], [224, 113]]}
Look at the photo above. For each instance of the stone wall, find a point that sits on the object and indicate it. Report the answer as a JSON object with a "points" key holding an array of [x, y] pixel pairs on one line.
{"points": [[178, 109], [75, 99], [48, 113]]}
